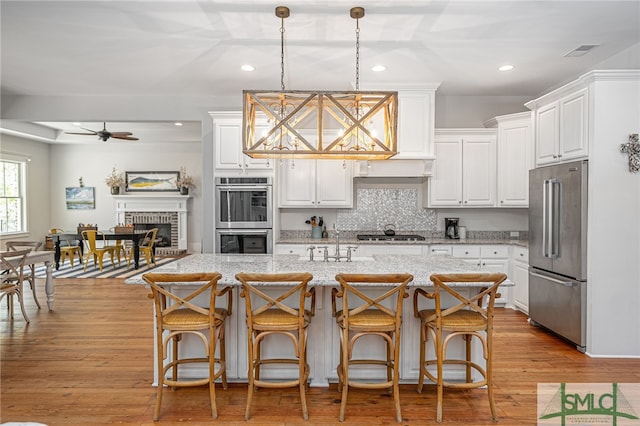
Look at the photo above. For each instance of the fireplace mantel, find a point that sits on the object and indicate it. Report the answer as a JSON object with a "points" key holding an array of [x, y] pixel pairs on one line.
{"points": [[156, 203]]}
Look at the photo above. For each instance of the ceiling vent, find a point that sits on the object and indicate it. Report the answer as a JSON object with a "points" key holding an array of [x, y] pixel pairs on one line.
{"points": [[580, 50]]}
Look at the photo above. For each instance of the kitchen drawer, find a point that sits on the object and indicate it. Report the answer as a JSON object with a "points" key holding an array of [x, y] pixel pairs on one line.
{"points": [[438, 249], [466, 252], [494, 252], [521, 254]]}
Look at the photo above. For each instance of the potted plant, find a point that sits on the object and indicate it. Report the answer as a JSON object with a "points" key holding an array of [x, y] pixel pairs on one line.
{"points": [[114, 181], [184, 182]]}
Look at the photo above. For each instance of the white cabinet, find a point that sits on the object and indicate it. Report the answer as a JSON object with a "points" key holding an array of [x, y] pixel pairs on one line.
{"points": [[520, 277], [515, 158], [315, 183], [393, 249], [561, 128], [415, 123], [487, 259], [438, 249], [465, 168], [227, 140]]}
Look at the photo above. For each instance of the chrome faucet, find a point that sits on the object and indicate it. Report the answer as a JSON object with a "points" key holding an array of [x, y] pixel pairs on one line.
{"points": [[337, 256]]}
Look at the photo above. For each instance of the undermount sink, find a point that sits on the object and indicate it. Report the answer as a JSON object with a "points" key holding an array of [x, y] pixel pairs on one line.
{"points": [[343, 260]]}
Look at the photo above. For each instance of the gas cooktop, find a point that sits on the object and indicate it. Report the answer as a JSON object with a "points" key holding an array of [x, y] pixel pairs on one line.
{"points": [[397, 237]]}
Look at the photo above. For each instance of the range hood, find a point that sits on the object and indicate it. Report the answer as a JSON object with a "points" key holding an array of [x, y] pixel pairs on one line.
{"points": [[395, 168]]}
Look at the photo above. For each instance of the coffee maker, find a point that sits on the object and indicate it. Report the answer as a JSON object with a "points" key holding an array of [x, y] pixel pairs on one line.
{"points": [[451, 227]]}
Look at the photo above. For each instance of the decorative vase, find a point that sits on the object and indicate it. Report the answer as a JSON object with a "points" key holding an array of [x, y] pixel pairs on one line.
{"points": [[115, 190], [184, 191]]}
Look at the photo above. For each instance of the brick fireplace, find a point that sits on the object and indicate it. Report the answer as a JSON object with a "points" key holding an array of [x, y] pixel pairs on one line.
{"points": [[166, 212]]}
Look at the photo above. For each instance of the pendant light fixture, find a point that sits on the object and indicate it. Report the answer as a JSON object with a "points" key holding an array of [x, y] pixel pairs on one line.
{"points": [[339, 125]]}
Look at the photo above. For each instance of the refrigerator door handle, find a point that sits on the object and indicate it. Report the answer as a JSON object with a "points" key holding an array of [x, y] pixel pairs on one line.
{"points": [[547, 215], [551, 225], [545, 277]]}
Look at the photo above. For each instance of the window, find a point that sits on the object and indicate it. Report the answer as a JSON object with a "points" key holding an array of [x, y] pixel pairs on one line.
{"points": [[12, 196]]}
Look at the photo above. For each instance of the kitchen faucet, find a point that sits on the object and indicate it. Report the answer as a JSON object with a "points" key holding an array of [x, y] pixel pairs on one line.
{"points": [[337, 256]]}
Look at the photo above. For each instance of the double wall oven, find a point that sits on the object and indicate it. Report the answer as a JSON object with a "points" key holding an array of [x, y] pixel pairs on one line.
{"points": [[244, 215]]}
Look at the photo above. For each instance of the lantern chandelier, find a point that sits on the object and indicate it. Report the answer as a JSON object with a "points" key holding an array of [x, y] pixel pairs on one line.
{"points": [[349, 125]]}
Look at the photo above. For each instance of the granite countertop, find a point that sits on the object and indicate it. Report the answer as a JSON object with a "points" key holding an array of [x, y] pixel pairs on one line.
{"points": [[421, 267], [428, 241]]}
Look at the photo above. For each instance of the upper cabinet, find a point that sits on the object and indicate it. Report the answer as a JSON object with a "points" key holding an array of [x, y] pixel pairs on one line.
{"points": [[227, 140], [315, 183], [465, 168], [561, 126], [515, 158], [416, 118]]}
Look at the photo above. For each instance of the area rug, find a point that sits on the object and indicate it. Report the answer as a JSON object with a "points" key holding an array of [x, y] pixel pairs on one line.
{"points": [[108, 271]]}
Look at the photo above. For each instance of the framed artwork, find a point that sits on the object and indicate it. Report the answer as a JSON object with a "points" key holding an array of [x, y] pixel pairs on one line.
{"points": [[80, 197], [151, 181]]}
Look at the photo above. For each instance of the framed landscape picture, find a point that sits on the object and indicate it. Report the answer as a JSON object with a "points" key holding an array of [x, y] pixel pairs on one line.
{"points": [[80, 197], [151, 181]]}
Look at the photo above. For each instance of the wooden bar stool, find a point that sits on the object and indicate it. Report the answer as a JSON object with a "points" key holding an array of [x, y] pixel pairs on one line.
{"points": [[180, 315], [363, 315], [468, 317], [269, 315]]}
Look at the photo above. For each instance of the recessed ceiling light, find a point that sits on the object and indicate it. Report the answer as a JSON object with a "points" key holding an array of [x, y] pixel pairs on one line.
{"points": [[506, 68], [177, 124], [247, 67], [378, 68], [77, 124]]}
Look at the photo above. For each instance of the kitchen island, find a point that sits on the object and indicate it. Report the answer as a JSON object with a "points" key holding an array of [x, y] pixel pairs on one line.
{"points": [[323, 344]]}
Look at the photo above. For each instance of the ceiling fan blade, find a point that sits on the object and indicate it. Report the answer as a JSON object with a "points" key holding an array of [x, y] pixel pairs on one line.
{"points": [[113, 134], [74, 133], [124, 137]]}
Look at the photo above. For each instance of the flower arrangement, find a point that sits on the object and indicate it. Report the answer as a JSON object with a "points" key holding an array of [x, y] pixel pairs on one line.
{"points": [[115, 179], [184, 180]]}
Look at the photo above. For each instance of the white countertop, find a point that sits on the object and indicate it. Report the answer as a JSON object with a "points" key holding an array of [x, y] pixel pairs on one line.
{"points": [[421, 267]]}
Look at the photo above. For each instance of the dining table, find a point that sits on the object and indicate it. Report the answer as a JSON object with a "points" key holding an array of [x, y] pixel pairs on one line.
{"points": [[134, 237], [45, 257]]}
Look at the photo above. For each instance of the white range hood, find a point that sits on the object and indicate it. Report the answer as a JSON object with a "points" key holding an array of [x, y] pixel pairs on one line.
{"points": [[395, 168]]}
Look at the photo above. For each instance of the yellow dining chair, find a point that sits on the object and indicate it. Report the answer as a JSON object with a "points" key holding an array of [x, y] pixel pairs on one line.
{"points": [[68, 248], [94, 252], [146, 247], [463, 316], [119, 249], [363, 315], [177, 315], [29, 272]]}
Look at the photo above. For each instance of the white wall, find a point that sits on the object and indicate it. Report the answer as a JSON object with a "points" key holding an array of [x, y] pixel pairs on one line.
{"points": [[37, 190], [473, 111], [614, 223]]}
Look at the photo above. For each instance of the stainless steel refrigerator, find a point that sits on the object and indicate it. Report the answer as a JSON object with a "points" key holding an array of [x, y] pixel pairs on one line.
{"points": [[558, 249]]}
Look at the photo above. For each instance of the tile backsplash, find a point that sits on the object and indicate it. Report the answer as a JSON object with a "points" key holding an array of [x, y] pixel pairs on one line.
{"points": [[377, 207]]}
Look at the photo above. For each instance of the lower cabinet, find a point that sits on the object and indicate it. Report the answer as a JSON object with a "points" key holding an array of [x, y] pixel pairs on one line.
{"points": [[487, 259], [520, 276]]}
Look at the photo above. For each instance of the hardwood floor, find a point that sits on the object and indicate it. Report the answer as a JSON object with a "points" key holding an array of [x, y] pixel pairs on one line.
{"points": [[90, 362]]}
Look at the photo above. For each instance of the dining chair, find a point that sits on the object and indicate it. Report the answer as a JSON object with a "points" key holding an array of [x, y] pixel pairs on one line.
{"points": [[118, 247], [68, 248], [90, 238], [30, 272], [12, 278], [283, 314], [465, 316], [181, 314], [363, 315], [147, 248]]}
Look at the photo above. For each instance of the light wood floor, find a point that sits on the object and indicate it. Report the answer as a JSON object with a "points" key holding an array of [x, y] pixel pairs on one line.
{"points": [[90, 362]]}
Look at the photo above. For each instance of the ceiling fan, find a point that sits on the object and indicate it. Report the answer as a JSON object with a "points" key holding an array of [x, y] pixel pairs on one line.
{"points": [[104, 134]]}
